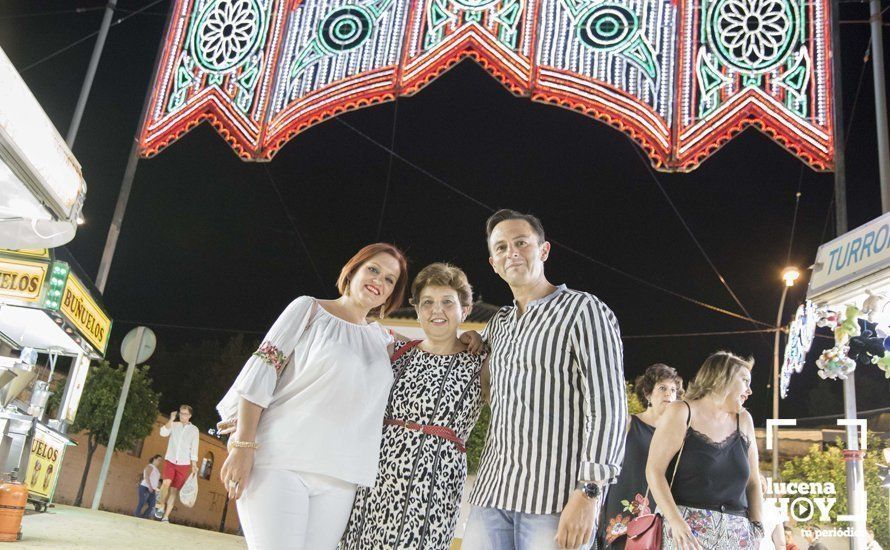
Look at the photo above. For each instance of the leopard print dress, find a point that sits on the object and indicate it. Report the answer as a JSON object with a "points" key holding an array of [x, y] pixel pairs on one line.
{"points": [[415, 501]]}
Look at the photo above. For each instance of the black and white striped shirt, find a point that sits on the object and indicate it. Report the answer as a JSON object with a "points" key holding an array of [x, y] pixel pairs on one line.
{"points": [[558, 403]]}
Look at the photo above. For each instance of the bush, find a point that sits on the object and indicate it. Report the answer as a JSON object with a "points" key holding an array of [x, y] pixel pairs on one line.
{"points": [[827, 466], [477, 440]]}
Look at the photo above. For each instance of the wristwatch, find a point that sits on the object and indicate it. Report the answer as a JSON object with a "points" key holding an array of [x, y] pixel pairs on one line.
{"points": [[590, 489]]}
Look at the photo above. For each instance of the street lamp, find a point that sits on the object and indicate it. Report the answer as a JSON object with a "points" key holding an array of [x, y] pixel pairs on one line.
{"points": [[789, 275]]}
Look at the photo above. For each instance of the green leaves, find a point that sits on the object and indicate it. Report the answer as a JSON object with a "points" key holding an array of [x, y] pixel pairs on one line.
{"points": [[827, 465], [99, 404]]}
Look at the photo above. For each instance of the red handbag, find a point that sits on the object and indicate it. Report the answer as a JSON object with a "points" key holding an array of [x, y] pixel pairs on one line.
{"points": [[645, 532]]}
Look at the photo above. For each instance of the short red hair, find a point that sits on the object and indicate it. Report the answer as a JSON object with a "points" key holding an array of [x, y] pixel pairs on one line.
{"points": [[398, 292]]}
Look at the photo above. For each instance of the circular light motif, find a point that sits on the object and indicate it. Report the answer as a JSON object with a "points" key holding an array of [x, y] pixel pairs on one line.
{"points": [[227, 33], [345, 29], [607, 26], [752, 35]]}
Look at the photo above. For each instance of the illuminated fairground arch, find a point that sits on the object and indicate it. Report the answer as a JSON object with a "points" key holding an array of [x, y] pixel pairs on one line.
{"points": [[680, 77]]}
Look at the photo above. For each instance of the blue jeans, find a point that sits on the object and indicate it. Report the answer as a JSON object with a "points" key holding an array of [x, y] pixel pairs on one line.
{"points": [[495, 529], [146, 497]]}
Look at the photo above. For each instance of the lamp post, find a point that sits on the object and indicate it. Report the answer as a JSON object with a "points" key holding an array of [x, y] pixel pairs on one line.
{"points": [[789, 275]]}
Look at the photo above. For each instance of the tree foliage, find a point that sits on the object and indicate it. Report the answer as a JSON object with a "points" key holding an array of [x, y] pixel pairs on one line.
{"points": [[98, 405], [828, 465], [477, 440], [633, 402]]}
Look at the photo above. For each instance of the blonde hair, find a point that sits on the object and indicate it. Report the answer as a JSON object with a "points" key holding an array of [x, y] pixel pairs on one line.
{"points": [[716, 373], [443, 274]]}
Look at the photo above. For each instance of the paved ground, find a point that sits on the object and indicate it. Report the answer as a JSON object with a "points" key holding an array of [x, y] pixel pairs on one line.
{"points": [[81, 528]]}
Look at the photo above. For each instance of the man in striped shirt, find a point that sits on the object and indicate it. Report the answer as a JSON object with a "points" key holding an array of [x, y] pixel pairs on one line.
{"points": [[558, 404]]}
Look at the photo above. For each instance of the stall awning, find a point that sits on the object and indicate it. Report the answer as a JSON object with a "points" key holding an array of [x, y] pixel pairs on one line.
{"points": [[45, 305], [41, 186]]}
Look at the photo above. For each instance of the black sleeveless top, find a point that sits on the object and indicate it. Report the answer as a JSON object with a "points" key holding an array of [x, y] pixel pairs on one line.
{"points": [[712, 475], [630, 487]]}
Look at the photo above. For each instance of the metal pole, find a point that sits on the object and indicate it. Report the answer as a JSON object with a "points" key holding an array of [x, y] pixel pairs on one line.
{"points": [[855, 475], [877, 57], [222, 522], [112, 439], [776, 381], [854, 466], [118, 218], [91, 73], [840, 171], [129, 174]]}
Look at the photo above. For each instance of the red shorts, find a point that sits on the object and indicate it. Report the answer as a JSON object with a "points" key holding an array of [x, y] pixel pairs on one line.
{"points": [[177, 474]]}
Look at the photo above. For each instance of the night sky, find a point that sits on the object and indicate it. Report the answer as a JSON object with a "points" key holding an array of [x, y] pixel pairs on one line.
{"points": [[206, 242]]}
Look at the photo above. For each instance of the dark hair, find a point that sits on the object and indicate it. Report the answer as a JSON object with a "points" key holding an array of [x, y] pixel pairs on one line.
{"points": [[398, 292], [443, 274], [187, 407], [155, 457], [645, 383], [505, 214]]}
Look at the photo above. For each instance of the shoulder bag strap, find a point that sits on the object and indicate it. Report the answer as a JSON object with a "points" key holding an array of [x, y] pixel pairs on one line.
{"points": [[403, 350], [680, 453]]}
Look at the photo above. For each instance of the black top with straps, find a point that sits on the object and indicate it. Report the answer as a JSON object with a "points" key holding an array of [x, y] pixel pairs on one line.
{"points": [[713, 475]]}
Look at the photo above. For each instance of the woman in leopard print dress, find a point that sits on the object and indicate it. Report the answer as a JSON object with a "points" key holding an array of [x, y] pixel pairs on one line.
{"points": [[434, 403]]}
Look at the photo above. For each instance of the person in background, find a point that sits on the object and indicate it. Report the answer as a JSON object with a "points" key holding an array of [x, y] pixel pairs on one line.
{"points": [[870, 542], [789, 538], [773, 531], [180, 460], [715, 501], [148, 487], [657, 388], [811, 533]]}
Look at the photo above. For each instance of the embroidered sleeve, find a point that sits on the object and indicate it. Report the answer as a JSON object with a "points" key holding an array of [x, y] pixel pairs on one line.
{"points": [[271, 355], [257, 381]]}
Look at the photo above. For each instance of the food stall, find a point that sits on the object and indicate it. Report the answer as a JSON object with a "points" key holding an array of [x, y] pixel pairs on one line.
{"points": [[47, 311], [41, 187]]}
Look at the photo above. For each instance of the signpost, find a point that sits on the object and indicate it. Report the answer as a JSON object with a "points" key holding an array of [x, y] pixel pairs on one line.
{"points": [[137, 347]]}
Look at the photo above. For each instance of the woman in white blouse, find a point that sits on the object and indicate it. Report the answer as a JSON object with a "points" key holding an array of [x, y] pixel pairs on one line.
{"points": [[309, 405]]}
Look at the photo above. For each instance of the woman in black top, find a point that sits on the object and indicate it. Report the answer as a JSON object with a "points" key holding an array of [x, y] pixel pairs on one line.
{"points": [[657, 388], [715, 500]]}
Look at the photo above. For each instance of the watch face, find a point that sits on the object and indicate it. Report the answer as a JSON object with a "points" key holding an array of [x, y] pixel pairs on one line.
{"points": [[592, 490]]}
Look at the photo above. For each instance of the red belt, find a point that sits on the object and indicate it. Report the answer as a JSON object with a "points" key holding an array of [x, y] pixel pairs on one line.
{"points": [[437, 431]]}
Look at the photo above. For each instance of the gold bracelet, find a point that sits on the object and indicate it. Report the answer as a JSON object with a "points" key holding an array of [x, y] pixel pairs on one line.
{"points": [[243, 444]]}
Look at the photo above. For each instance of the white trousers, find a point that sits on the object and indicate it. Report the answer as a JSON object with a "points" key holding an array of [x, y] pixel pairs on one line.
{"points": [[287, 510]]}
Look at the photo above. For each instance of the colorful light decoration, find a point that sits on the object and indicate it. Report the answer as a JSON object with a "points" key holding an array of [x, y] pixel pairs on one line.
{"points": [[800, 338], [680, 77], [853, 345]]}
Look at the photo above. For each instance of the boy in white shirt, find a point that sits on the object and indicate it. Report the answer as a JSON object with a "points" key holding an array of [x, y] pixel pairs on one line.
{"points": [[182, 450]]}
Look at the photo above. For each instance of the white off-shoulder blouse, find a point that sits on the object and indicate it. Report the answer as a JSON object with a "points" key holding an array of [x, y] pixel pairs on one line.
{"points": [[324, 414]]}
